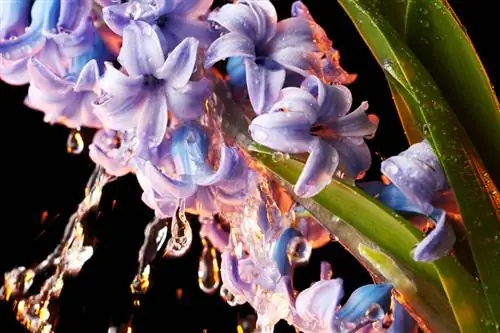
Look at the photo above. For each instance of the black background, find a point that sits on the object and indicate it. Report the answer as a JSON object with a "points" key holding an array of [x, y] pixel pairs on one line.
{"points": [[40, 176]]}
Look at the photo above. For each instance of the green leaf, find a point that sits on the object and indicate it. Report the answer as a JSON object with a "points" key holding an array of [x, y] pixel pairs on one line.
{"points": [[434, 34], [452, 146]]}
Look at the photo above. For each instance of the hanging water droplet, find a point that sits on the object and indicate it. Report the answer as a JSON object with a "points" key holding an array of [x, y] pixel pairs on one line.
{"points": [[278, 156], [181, 234], [299, 250], [208, 269], [375, 313], [215, 26], [140, 284], [227, 296], [75, 143]]}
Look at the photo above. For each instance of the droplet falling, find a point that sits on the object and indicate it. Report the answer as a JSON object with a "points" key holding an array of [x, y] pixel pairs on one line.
{"points": [[75, 143], [208, 269], [181, 234]]}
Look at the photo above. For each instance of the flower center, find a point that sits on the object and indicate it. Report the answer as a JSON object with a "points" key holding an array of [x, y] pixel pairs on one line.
{"points": [[323, 131], [151, 81]]}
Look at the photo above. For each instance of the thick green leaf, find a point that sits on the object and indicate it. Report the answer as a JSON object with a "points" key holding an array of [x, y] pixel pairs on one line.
{"points": [[452, 146], [434, 34]]}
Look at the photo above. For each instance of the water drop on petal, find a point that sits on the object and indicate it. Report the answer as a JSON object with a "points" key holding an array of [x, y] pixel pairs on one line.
{"points": [[75, 143], [208, 269]]}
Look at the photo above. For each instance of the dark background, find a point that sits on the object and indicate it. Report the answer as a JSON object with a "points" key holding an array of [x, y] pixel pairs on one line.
{"points": [[39, 176]]}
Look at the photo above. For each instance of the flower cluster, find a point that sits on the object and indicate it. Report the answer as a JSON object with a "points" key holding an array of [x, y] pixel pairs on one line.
{"points": [[158, 115]]}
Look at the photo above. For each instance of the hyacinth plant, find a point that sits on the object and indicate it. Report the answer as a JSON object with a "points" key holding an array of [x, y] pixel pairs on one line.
{"points": [[271, 155]]}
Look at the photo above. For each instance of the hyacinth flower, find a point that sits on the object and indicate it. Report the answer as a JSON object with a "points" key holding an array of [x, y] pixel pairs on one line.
{"points": [[154, 87], [112, 151], [315, 118], [176, 20], [253, 37], [418, 176], [183, 173], [20, 41]]}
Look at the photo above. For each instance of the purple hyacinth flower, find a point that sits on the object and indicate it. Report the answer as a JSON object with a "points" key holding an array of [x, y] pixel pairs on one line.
{"points": [[317, 306], [250, 30], [23, 41], [185, 155], [315, 118], [64, 99], [176, 20], [416, 172], [112, 152], [362, 299], [153, 86]]}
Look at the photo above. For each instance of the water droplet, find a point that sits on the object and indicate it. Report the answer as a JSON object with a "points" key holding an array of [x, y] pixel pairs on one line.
{"points": [[259, 135], [426, 23], [246, 324], [425, 129], [215, 26], [140, 284], [181, 234], [375, 313], [228, 296], [279, 156], [299, 250], [208, 269], [75, 144]]}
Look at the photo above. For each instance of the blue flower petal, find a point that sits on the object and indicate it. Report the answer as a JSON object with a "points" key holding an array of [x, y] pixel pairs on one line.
{"points": [[362, 298]]}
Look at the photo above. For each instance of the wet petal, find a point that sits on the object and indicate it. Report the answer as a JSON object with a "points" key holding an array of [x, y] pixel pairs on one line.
{"points": [[14, 17], [334, 100], [267, 19], [120, 113], [72, 13], [116, 83], [292, 99], [283, 131], [438, 243], [166, 186], [235, 68], [111, 165], [264, 82], [362, 298], [187, 103], [229, 45], [236, 17], [118, 17], [217, 236], [181, 28], [280, 250], [291, 32], [299, 61], [402, 322], [356, 123], [203, 203], [141, 52], [15, 73], [319, 302], [192, 9], [88, 77], [152, 124], [353, 158], [180, 63], [189, 148], [391, 196], [318, 170], [226, 163], [44, 78], [230, 274]]}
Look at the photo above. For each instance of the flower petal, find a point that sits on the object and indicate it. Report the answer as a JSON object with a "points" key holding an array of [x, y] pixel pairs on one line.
{"points": [[141, 52], [235, 68], [88, 77], [152, 124], [264, 82], [356, 123], [180, 28], [230, 274], [319, 302], [187, 103], [119, 113], [15, 73], [288, 132], [318, 170], [180, 63], [14, 17], [402, 321], [115, 18], [116, 83], [229, 45], [362, 298], [354, 159], [438, 243], [280, 250], [298, 61], [217, 236], [292, 32], [166, 186], [292, 99], [44, 78], [226, 163], [72, 13], [111, 165], [334, 100], [191, 9]]}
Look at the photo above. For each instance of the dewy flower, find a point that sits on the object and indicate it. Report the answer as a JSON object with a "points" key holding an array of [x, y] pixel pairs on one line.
{"points": [[64, 99], [112, 151], [267, 48], [417, 174], [185, 156], [152, 87], [176, 19], [315, 119]]}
